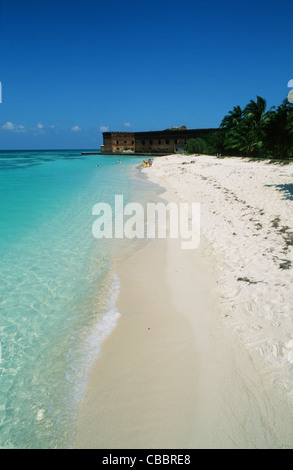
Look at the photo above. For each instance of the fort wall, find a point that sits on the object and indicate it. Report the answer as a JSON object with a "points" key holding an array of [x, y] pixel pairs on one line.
{"points": [[153, 142]]}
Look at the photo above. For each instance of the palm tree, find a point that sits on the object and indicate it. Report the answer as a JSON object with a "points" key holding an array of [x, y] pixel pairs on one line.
{"points": [[258, 118], [280, 131], [256, 110], [246, 129], [245, 139], [233, 118], [254, 130]]}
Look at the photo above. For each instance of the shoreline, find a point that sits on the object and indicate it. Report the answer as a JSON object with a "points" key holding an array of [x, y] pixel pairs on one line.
{"points": [[175, 372]]}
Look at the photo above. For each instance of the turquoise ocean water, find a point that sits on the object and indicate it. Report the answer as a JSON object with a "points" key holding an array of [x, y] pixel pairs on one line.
{"points": [[57, 286]]}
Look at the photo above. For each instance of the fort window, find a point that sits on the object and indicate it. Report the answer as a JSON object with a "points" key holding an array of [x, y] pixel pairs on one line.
{"points": [[142, 142], [159, 141], [175, 141], [151, 142], [117, 142], [167, 141]]}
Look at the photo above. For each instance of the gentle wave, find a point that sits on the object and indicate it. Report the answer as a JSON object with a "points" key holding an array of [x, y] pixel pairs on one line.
{"points": [[101, 329], [57, 290]]}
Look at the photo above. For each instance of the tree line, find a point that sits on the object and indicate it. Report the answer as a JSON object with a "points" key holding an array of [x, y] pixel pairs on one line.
{"points": [[252, 131]]}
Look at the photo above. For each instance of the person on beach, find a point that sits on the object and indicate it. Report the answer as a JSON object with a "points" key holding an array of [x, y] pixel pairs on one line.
{"points": [[144, 164], [150, 162]]}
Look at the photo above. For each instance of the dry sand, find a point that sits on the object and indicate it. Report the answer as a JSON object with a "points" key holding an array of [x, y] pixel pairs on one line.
{"points": [[201, 356]]}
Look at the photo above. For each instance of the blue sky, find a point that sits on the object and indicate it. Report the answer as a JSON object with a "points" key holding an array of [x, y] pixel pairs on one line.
{"points": [[71, 69]]}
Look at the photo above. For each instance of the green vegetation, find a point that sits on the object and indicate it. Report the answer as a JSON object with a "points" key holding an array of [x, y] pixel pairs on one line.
{"points": [[251, 132], [199, 145]]}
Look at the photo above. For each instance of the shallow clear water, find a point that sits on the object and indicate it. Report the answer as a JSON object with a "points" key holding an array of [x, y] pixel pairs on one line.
{"points": [[57, 286]]}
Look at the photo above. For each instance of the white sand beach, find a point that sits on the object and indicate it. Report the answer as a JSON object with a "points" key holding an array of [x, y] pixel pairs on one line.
{"points": [[202, 356], [247, 215]]}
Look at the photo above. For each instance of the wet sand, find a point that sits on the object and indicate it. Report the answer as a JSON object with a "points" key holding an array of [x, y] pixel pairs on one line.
{"points": [[173, 374]]}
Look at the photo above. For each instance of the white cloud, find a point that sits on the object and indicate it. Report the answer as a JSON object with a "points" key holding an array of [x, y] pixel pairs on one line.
{"points": [[9, 126], [104, 128], [39, 129], [127, 124], [75, 129]]}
